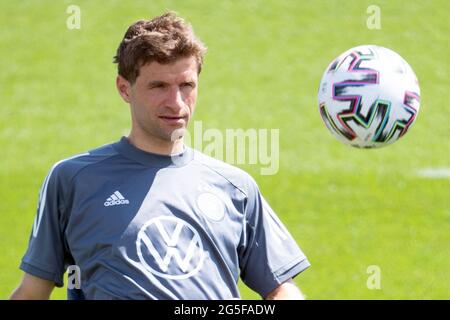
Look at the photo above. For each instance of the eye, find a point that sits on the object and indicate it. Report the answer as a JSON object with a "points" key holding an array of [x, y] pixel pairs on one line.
{"points": [[157, 85], [188, 85]]}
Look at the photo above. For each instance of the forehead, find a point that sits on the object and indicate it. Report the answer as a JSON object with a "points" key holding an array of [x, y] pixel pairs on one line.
{"points": [[179, 70]]}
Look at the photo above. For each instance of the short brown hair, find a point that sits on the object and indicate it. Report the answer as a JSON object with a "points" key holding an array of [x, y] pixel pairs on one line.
{"points": [[163, 39]]}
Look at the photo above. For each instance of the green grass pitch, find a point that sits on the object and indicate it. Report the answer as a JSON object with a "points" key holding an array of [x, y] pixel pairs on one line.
{"points": [[347, 208]]}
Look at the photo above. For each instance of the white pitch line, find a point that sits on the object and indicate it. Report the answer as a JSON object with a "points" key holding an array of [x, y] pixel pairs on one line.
{"points": [[434, 173]]}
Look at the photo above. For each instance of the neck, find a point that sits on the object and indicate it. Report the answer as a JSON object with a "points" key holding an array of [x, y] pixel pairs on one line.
{"points": [[154, 145]]}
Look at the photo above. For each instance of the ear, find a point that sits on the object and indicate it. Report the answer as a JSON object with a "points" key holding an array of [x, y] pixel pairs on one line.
{"points": [[124, 88]]}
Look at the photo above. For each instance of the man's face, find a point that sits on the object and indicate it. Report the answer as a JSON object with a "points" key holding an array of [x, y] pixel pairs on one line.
{"points": [[163, 97]]}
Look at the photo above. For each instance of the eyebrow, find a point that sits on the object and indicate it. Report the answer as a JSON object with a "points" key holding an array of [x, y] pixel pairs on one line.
{"points": [[159, 82], [156, 83]]}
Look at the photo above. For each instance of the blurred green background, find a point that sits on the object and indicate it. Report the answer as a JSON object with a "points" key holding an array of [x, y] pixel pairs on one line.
{"points": [[347, 208]]}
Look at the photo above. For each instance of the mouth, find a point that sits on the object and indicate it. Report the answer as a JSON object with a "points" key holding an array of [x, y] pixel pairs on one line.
{"points": [[173, 120]]}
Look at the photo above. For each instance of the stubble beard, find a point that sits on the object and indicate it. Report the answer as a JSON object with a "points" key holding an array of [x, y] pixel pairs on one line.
{"points": [[157, 132]]}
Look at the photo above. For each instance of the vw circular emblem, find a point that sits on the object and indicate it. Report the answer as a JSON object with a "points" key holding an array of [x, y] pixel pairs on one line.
{"points": [[170, 247]]}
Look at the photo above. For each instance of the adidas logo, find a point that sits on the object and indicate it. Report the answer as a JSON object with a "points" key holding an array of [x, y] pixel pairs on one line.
{"points": [[115, 199]]}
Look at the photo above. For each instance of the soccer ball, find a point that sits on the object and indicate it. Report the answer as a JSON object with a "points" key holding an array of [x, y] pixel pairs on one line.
{"points": [[369, 97]]}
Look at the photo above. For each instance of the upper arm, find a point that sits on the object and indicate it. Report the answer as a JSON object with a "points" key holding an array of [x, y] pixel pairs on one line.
{"points": [[33, 288], [286, 291], [268, 254], [48, 254]]}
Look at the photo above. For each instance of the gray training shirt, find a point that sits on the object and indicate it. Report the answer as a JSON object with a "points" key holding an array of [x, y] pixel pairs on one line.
{"points": [[146, 226]]}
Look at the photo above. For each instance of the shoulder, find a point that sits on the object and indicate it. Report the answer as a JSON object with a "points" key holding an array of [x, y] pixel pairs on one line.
{"points": [[237, 177], [68, 168]]}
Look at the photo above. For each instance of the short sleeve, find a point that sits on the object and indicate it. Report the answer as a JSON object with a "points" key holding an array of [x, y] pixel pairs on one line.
{"points": [[268, 253], [46, 256]]}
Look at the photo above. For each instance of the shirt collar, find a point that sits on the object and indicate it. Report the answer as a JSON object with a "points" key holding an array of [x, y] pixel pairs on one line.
{"points": [[124, 147]]}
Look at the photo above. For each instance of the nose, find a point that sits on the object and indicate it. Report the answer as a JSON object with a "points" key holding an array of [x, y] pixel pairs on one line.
{"points": [[174, 99]]}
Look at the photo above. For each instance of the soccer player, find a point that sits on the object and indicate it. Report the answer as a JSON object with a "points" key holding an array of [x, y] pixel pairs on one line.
{"points": [[147, 217]]}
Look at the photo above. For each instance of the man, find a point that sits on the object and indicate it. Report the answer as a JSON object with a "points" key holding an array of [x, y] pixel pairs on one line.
{"points": [[147, 217]]}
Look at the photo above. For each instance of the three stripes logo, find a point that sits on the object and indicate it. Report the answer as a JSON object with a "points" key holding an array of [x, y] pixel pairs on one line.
{"points": [[115, 199]]}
